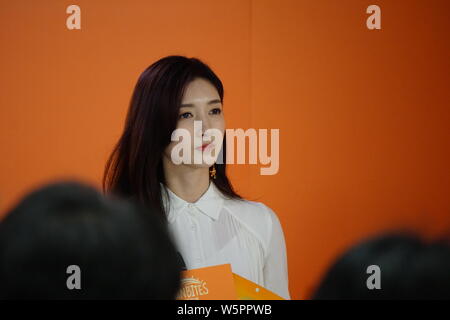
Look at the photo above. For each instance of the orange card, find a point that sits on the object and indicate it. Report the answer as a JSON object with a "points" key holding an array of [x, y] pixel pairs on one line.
{"points": [[248, 290], [210, 283]]}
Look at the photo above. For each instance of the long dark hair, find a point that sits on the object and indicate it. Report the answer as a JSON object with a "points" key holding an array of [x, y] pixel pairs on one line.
{"points": [[134, 168]]}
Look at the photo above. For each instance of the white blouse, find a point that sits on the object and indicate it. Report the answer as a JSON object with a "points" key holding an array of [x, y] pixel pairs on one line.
{"points": [[246, 234]]}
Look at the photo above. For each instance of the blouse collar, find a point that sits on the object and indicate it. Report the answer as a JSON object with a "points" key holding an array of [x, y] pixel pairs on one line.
{"points": [[210, 203]]}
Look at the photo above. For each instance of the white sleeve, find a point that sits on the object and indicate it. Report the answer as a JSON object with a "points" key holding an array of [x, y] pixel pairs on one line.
{"points": [[275, 266]]}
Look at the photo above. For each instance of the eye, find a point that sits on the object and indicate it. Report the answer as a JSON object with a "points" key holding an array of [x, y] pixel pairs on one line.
{"points": [[185, 115], [216, 111]]}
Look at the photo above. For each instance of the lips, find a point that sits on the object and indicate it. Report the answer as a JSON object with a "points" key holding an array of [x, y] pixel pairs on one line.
{"points": [[204, 146]]}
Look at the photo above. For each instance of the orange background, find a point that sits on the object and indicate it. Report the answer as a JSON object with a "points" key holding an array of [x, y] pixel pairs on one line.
{"points": [[363, 114]]}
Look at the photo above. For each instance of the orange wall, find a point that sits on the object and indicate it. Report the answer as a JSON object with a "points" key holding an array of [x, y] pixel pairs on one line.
{"points": [[363, 115]]}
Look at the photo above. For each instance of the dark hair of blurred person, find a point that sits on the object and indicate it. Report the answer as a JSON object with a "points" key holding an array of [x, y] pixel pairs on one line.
{"points": [[122, 250], [410, 269]]}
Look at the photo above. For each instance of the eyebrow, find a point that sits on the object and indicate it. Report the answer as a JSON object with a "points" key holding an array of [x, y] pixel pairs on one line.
{"points": [[210, 102]]}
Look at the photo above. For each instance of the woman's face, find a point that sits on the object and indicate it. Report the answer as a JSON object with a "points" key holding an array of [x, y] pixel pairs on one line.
{"points": [[200, 102]]}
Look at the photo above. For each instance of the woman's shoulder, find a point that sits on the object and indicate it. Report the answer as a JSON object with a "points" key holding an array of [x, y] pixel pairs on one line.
{"points": [[249, 209], [256, 216]]}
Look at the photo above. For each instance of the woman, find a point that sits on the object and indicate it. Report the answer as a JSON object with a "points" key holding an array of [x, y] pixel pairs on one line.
{"points": [[210, 223]]}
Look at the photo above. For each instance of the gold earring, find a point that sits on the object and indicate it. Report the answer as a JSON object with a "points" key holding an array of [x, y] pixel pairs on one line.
{"points": [[212, 172]]}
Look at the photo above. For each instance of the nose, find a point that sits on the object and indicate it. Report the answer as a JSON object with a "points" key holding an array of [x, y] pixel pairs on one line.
{"points": [[205, 125]]}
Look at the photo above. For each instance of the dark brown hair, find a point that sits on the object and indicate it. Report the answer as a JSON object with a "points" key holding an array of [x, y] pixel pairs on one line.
{"points": [[134, 169]]}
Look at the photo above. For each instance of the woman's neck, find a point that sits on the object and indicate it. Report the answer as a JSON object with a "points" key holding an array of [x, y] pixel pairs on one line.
{"points": [[186, 182]]}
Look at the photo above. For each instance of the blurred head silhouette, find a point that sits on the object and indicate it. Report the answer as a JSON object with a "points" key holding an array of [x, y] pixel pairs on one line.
{"points": [[407, 266], [67, 241]]}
